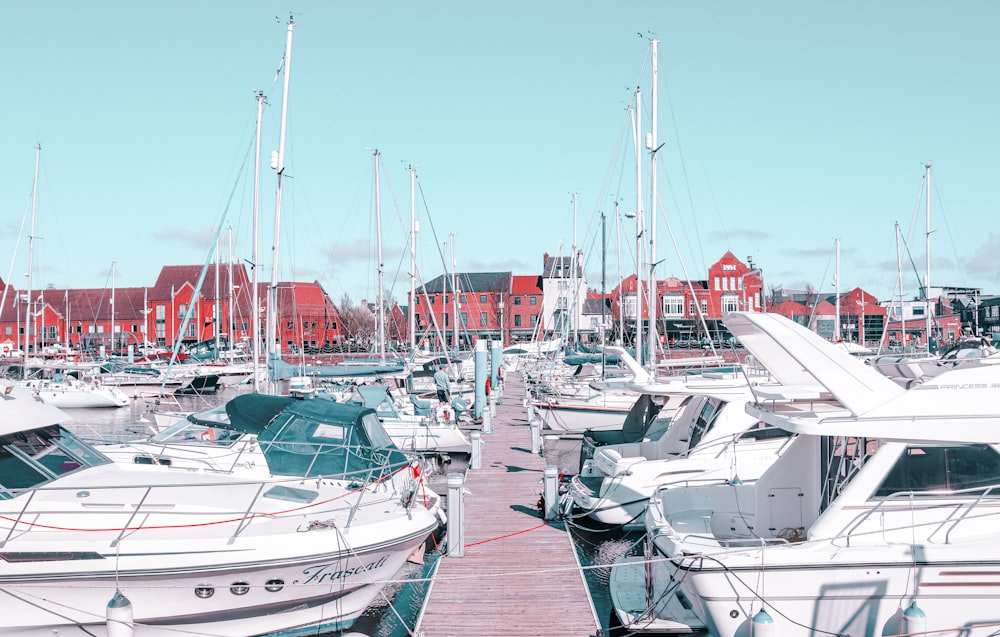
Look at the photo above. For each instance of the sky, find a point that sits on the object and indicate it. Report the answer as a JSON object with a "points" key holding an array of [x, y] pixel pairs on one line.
{"points": [[786, 127]]}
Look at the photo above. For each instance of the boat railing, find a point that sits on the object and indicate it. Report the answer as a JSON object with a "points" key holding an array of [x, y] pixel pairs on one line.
{"points": [[145, 507], [958, 511]]}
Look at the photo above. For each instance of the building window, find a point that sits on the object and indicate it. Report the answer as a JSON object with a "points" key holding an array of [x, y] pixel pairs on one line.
{"points": [[461, 298], [482, 298], [465, 319], [517, 300], [416, 301], [430, 299], [629, 307], [730, 303], [718, 285], [692, 308], [533, 300], [444, 299], [704, 307], [517, 320], [445, 315], [534, 320], [673, 306], [289, 326], [482, 319]]}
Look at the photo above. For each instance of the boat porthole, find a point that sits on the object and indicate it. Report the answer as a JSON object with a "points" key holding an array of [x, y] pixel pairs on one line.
{"points": [[239, 588], [204, 592], [734, 614], [274, 585], [83, 494]]}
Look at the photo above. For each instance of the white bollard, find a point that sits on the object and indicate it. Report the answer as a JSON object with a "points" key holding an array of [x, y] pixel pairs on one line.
{"points": [[120, 616], [477, 450], [456, 515], [551, 492], [493, 406], [487, 422], [536, 436], [552, 441]]}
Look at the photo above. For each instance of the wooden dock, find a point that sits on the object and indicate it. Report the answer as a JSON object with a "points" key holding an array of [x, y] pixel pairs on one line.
{"points": [[520, 575]]}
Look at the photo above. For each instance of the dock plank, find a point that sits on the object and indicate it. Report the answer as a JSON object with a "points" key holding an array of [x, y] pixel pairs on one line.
{"points": [[519, 575]]}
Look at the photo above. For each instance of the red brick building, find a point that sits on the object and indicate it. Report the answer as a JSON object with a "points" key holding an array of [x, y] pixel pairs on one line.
{"points": [[168, 312]]}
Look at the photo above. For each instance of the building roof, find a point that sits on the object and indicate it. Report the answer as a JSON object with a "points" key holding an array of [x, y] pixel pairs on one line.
{"points": [[469, 282], [174, 277]]}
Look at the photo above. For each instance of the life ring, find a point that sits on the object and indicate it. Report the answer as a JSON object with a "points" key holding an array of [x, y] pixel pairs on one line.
{"points": [[5, 348]]}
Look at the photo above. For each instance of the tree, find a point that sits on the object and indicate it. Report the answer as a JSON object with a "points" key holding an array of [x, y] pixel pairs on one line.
{"points": [[358, 323]]}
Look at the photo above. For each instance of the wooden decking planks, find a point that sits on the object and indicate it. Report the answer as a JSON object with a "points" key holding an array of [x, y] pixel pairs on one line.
{"points": [[519, 576]]}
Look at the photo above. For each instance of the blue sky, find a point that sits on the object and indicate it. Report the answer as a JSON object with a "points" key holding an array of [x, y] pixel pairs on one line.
{"points": [[785, 124]]}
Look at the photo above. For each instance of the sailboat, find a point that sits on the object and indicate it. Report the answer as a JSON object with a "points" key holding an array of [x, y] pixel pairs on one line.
{"points": [[57, 387]]}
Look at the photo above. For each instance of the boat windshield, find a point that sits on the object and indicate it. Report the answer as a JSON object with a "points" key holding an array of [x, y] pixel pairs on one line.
{"points": [[29, 459], [200, 430], [928, 470]]}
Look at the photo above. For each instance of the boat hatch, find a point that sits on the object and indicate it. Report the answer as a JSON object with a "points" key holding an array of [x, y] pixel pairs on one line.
{"points": [[291, 494]]}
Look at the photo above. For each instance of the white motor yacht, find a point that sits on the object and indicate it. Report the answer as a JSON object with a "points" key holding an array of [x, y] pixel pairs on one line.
{"points": [[880, 521], [90, 546]]}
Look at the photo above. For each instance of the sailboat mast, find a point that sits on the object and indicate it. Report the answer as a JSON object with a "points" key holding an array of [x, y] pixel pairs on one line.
{"points": [[604, 284], [230, 294], [651, 146], [618, 243], [216, 307], [574, 284], [113, 337], [254, 291], [639, 223], [278, 164], [899, 287], [380, 309], [927, 276], [412, 327], [31, 252], [836, 294], [454, 292]]}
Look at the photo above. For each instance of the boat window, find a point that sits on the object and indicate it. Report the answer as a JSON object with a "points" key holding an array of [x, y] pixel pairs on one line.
{"points": [[187, 432], [29, 459], [925, 469], [704, 421], [376, 432], [762, 431]]}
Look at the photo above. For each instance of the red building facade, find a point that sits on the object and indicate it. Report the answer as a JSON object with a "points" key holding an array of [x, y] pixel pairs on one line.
{"points": [[168, 312]]}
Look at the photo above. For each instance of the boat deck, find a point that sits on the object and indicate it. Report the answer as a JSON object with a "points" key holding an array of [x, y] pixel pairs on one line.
{"points": [[519, 575]]}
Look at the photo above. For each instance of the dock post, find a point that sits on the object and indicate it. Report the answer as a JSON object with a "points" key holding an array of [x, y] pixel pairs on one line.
{"points": [[477, 450], [456, 515], [479, 358], [536, 436], [551, 492], [487, 421]]}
